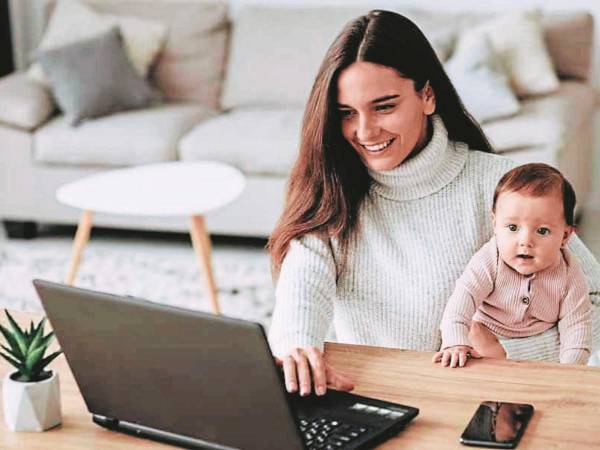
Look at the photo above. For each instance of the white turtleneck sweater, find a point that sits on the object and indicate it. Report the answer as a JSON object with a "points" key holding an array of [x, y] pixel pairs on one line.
{"points": [[419, 227]]}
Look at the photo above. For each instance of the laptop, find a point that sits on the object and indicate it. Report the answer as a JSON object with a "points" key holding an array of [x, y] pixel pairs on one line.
{"points": [[197, 380]]}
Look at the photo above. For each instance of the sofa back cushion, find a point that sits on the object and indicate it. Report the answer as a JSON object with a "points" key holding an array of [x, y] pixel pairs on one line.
{"points": [[191, 64], [275, 52]]}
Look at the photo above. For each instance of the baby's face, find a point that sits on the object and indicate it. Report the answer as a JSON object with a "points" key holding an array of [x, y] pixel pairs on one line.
{"points": [[530, 230]]}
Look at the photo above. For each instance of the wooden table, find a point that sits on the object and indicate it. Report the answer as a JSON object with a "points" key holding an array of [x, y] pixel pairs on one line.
{"points": [[566, 398]]}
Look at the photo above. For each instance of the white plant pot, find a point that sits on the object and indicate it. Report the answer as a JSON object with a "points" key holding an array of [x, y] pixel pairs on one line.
{"points": [[31, 406]]}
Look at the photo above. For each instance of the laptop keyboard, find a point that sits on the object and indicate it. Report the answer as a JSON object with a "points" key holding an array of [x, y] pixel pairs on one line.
{"points": [[329, 434]]}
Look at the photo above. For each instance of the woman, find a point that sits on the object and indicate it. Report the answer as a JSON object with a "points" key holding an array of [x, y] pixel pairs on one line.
{"points": [[386, 204]]}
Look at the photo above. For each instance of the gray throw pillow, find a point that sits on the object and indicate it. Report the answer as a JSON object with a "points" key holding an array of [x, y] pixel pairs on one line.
{"points": [[93, 78]]}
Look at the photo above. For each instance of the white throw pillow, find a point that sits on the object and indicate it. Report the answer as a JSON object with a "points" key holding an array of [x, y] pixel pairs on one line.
{"points": [[519, 40], [480, 79], [73, 21]]}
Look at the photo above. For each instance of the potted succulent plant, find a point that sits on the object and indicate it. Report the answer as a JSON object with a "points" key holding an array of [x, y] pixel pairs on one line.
{"points": [[31, 394]]}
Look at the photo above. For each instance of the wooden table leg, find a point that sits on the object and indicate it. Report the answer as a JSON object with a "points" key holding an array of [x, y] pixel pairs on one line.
{"points": [[82, 236], [201, 243]]}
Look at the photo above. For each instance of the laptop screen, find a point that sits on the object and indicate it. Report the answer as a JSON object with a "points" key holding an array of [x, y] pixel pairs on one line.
{"points": [[208, 377]]}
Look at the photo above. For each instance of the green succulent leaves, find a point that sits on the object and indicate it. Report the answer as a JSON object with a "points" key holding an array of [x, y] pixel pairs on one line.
{"points": [[26, 348]]}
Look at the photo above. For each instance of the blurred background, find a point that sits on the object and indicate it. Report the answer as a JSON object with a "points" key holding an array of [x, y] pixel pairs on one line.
{"points": [[232, 78]]}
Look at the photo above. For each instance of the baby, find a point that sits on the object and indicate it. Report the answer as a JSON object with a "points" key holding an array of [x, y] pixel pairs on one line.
{"points": [[524, 280]]}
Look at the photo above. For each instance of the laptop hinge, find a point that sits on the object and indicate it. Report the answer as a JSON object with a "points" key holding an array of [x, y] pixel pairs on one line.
{"points": [[108, 422]]}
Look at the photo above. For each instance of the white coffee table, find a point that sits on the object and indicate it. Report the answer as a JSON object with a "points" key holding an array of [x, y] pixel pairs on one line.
{"points": [[188, 189]]}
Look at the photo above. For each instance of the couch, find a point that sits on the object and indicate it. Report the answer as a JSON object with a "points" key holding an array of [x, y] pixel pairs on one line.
{"points": [[234, 86]]}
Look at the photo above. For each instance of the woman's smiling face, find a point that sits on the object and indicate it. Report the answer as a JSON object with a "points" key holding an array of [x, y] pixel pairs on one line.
{"points": [[383, 117]]}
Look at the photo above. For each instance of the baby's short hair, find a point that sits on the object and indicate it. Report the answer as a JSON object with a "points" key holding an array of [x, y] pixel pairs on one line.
{"points": [[537, 180]]}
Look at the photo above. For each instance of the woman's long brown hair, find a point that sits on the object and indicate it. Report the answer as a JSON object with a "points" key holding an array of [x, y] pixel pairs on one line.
{"points": [[329, 182]]}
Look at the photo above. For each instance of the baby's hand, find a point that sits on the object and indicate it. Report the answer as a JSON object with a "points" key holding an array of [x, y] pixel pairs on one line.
{"points": [[456, 356]]}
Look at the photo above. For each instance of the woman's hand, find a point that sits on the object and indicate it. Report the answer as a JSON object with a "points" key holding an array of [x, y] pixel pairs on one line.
{"points": [[456, 356], [301, 363]]}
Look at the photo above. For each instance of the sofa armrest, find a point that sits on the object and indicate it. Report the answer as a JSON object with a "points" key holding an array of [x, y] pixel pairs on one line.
{"points": [[25, 103]]}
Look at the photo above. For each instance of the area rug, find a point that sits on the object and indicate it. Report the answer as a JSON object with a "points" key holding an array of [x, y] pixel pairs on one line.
{"points": [[164, 271]]}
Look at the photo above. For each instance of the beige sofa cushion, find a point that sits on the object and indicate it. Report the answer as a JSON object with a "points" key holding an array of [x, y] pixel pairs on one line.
{"points": [[191, 63], [128, 138], [570, 40], [257, 141], [24, 103], [275, 52], [544, 121]]}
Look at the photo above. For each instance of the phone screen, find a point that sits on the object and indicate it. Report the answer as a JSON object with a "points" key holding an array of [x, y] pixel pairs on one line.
{"points": [[497, 425]]}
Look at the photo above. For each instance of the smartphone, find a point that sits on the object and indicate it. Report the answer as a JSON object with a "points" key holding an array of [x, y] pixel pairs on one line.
{"points": [[497, 425]]}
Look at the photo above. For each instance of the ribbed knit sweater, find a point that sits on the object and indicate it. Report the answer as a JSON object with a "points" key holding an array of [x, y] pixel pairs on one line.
{"points": [[511, 304], [419, 226]]}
